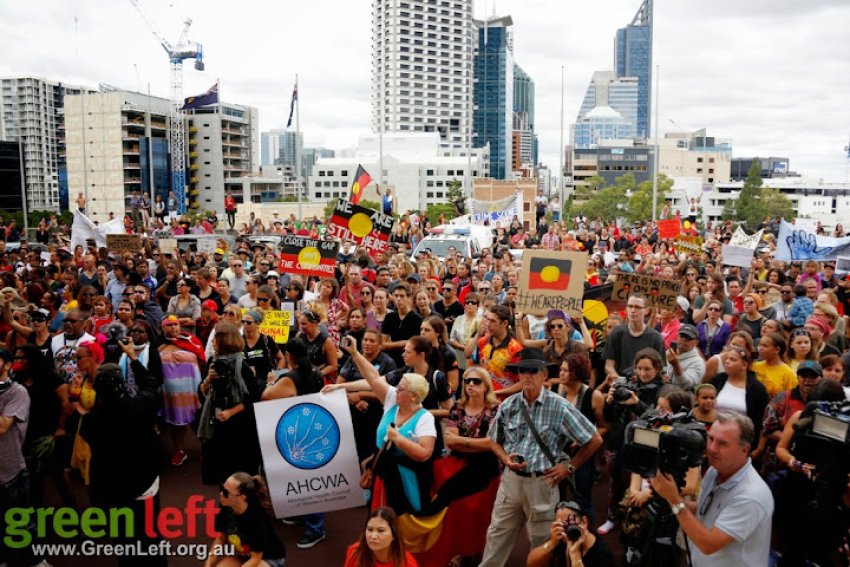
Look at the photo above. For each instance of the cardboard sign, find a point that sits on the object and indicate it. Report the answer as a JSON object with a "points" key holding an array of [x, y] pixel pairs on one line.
{"points": [[659, 291], [309, 454], [737, 256], [308, 256], [367, 228], [551, 280], [669, 228], [131, 242], [207, 245], [689, 243], [168, 245], [842, 264]]}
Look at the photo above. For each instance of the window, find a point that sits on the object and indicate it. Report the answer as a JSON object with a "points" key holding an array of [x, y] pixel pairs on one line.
{"points": [[343, 173]]}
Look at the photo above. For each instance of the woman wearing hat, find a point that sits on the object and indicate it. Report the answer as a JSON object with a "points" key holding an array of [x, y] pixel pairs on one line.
{"points": [[820, 330], [261, 352], [182, 356], [751, 319], [560, 341]]}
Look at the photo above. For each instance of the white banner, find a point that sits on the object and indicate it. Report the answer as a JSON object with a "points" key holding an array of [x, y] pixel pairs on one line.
{"points": [[809, 225], [309, 454], [737, 256], [744, 240], [498, 212], [84, 229]]}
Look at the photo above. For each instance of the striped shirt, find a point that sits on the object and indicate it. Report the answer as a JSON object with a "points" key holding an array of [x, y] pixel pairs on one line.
{"points": [[558, 422]]}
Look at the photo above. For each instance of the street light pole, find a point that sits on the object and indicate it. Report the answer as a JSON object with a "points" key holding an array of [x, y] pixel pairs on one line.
{"points": [[561, 147]]}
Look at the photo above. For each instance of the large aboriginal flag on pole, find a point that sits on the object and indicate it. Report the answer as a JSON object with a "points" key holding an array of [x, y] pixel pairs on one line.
{"points": [[361, 180], [549, 273]]}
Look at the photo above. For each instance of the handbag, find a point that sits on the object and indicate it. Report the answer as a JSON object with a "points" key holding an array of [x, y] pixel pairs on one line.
{"points": [[569, 483], [367, 477]]}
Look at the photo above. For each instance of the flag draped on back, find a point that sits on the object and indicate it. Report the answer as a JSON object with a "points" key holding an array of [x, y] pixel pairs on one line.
{"points": [[292, 104], [361, 180], [206, 99]]}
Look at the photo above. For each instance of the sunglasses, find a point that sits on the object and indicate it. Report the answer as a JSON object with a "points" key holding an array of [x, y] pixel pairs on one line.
{"points": [[230, 314], [714, 309], [263, 299], [223, 490], [364, 292], [471, 302], [473, 381], [248, 321], [557, 326]]}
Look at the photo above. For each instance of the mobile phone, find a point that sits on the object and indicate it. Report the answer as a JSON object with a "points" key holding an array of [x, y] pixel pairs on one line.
{"points": [[674, 346], [519, 459]]}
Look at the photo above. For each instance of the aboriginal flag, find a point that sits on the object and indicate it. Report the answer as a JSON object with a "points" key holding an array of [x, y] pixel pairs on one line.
{"points": [[549, 273], [361, 180]]}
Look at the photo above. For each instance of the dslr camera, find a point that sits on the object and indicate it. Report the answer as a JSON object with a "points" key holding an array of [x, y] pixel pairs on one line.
{"points": [[671, 443]]}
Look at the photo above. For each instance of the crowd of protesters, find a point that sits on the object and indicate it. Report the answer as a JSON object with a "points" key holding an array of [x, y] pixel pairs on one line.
{"points": [[146, 348]]}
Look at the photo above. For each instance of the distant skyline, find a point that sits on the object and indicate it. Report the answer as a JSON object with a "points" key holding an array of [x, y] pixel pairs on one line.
{"points": [[769, 75]]}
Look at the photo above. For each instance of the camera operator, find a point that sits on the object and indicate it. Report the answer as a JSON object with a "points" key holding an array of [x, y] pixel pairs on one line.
{"points": [[731, 522], [571, 542]]}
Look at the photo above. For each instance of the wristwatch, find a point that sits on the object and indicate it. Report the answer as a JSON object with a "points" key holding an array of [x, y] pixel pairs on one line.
{"points": [[677, 508]]}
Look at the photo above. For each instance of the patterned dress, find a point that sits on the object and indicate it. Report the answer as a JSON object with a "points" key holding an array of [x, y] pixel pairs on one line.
{"points": [[181, 378]]}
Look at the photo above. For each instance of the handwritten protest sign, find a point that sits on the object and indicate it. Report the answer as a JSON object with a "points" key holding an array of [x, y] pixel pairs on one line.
{"points": [[669, 228], [207, 245], [130, 242], [308, 256], [551, 280], [689, 243], [276, 324], [660, 292], [366, 227], [168, 245]]}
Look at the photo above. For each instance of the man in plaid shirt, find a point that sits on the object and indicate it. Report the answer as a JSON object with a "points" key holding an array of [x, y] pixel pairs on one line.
{"points": [[529, 491]]}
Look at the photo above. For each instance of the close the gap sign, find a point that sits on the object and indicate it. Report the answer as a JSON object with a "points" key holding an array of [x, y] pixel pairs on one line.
{"points": [[308, 256]]}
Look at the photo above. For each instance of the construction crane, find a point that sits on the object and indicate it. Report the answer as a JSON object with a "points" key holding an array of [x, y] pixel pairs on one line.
{"points": [[184, 49]]}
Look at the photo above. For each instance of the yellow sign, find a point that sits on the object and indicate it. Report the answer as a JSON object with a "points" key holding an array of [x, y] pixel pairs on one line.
{"points": [[275, 324]]}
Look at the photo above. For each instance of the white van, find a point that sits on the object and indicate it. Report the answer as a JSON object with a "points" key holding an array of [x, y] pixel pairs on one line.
{"points": [[469, 240]]}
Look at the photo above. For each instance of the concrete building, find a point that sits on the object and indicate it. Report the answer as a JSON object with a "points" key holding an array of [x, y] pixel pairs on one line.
{"points": [[493, 93], [633, 58], [223, 146], [11, 176], [280, 147], [770, 167], [33, 111], [812, 198], [610, 162], [116, 144], [309, 157], [693, 154], [601, 123], [544, 180], [417, 169], [422, 68]]}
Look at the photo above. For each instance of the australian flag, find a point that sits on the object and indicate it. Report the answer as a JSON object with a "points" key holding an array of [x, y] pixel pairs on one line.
{"points": [[292, 105], [206, 99]]}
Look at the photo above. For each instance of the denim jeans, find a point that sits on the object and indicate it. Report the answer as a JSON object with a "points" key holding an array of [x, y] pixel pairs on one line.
{"points": [[16, 494], [315, 523]]}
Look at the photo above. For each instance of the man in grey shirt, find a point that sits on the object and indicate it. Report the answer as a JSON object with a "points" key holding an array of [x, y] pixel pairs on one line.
{"points": [[730, 524], [626, 340], [686, 366]]}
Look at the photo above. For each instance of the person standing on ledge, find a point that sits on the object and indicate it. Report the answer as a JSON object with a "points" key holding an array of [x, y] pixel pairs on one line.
{"points": [[230, 209]]}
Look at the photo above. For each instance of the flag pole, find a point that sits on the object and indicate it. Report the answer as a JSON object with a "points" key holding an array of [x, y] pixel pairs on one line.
{"points": [[298, 148]]}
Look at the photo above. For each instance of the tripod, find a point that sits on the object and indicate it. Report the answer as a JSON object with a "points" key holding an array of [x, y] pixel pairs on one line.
{"points": [[656, 542]]}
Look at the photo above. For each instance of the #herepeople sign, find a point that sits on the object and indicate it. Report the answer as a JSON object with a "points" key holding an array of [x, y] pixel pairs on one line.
{"points": [[131, 242], [365, 227], [308, 256], [659, 291], [309, 454], [551, 280]]}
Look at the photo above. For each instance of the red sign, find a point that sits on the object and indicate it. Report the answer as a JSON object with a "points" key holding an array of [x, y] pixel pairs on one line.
{"points": [[365, 227], [669, 228], [308, 256]]}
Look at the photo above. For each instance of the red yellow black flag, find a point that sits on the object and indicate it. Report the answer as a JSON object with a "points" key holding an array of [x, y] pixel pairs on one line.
{"points": [[549, 273], [361, 180]]}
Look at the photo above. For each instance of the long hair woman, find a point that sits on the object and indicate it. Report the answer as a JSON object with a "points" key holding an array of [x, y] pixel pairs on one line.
{"points": [[381, 543], [443, 357]]}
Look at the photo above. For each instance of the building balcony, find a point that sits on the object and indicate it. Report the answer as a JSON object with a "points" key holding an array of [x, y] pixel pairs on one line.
{"points": [[193, 129], [193, 167]]}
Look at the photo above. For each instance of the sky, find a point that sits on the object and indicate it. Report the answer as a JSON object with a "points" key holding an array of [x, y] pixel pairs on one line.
{"points": [[769, 75]]}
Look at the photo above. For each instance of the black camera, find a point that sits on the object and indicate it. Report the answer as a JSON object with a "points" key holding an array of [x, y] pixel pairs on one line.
{"points": [[622, 389], [223, 367], [672, 443], [573, 532], [824, 440]]}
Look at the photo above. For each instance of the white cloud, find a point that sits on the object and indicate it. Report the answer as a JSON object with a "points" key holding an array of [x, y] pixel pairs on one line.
{"points": [[769, 74]]}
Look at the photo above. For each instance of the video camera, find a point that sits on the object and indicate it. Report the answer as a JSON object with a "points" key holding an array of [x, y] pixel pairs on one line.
{"points": [[824, 440], [672, 443], [622, 388]]}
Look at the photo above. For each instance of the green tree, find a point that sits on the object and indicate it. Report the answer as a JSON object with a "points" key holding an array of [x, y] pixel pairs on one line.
{"points": [[605, 203], [728, 210], [640, 203], [747, 207], [433, 212], [773, 203], [329, 208]]}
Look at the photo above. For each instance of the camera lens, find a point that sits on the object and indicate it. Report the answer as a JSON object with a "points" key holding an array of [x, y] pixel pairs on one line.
{"points": [[573, 533]]}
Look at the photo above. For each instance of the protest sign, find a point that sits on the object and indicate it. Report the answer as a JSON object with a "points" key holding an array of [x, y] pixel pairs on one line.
{"points": [[276, 324], [498, 212], [842, 264], [796, 244], [207, 245], [737, 256], [168, 245], [130, 242], [308, 256], [669, 228], [659, 291], [551, 280], [741, 238], [689, 243], [365, 227], [309, 454]]}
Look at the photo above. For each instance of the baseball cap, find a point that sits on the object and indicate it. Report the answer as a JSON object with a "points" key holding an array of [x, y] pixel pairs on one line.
{"points": [[683, 303], [810, 366], [210, 305], [688, 332], [219, 251]]}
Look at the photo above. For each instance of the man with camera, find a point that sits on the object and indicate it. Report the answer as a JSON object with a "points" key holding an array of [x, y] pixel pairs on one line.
{"points": [[730, 524], [530, 435], [569, 537]]}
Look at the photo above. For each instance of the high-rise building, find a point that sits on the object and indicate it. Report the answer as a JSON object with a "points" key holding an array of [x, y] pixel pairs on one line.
{"points": [[524, 95], [422, 68], [611, 93], [33, 110], [280, 147], [310, 156], [493, 93], [523, 119], [223, 147], [116, 144], [633, 58]]}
